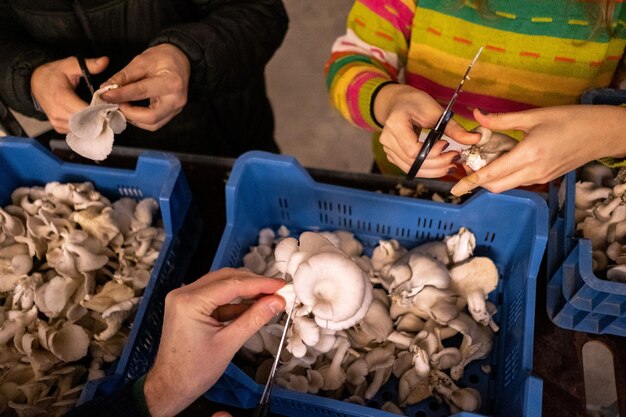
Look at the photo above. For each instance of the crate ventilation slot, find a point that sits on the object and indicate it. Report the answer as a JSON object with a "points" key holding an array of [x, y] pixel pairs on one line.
{"points": [[511, 365], [127, 191], [490, 237], [336, 214], [235, 255], [283, 203], [515, 311]]}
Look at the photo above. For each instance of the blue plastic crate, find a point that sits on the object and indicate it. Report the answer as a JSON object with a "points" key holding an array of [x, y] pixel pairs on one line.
{"points": [[581, 288], [266, 190], [24, 162], [563, 311]]}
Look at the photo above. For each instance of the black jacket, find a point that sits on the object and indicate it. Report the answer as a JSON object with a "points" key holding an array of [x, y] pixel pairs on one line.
{"points": [[228, 43]]}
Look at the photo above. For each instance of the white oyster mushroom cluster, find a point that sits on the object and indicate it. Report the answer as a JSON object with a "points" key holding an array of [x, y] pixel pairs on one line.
{"points": [[73, 268], [490, 146], [600, 216], [360, 320], [92, 129]]}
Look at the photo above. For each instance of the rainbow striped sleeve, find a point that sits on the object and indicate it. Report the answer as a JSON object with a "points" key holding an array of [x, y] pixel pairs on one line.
{"points": [[371, 53]]}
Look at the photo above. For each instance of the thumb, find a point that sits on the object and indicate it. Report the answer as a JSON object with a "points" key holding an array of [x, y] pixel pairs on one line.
{"points": [[222, 414], [97, 65], [501, 121], [456, 132], [251, 321]]}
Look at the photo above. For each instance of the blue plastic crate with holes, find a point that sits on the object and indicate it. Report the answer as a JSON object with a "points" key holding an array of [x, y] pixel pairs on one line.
{"points": [[24, 162], [266, 190], [577, 298], [563, 311]]}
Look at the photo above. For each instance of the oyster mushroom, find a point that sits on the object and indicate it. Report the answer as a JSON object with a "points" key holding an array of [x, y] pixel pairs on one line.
{"points": [[459, 399], [92, 129], [304, 332], [414, 271], [476, 344], [333, 374], [375, 326], [490, 146], [474, 280], [70, 343], [317, 287], [461, 245], [380, 361], [412, 388], [387, 252]]}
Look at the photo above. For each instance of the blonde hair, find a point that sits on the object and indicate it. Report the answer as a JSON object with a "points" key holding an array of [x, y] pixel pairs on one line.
{"points": [[602, 13]]}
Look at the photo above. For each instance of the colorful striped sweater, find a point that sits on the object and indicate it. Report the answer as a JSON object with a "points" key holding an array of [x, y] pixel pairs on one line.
{"points": [[536, 53]]}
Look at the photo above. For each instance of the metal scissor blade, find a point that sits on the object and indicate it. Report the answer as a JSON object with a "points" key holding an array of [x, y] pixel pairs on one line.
{"points": [[86, 74], [465, 77], [270, 379]]}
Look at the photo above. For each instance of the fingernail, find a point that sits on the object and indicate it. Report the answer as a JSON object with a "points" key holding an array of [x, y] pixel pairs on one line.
{"points": [[276, 307], [483, 112], [456, 158], [445, 146], [221, 414], [464, 186], [452, 171]]}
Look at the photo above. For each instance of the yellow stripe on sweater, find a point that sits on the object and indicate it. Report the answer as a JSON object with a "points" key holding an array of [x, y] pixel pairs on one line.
{"points": [[461, 38], [341, 83], [496, 80], [374, 30]]}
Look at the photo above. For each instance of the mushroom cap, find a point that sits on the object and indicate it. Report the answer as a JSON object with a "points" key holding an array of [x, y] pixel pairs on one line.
{"points": [[332, 285], [70, 343], [357, 371], [478, 273]]}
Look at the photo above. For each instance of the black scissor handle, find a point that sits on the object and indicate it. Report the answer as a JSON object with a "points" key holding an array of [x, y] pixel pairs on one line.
{"points": [[433, 136], [261, 410]]}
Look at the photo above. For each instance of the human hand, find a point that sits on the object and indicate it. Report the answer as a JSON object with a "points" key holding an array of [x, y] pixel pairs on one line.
{"points": [[202, 332], [403, 110], [54, 84], [160, 74], [557, 140]]}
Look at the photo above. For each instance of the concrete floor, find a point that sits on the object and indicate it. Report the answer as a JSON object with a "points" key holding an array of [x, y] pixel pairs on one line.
{"points": [[307, 126]]}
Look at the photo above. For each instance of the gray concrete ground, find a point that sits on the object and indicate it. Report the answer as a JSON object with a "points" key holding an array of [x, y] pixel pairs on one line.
{"points": [[306, 124]]}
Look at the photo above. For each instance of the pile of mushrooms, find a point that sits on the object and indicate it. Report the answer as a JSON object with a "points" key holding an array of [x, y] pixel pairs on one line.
{"points": [[359, 320], [600, 216], [73, 267]]}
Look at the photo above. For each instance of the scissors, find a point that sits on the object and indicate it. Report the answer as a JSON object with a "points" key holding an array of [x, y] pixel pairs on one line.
{"points": [[437, 132], [262, 409], [85, 72]]}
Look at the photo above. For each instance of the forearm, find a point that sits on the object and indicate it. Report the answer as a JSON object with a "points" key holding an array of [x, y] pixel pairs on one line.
{"points": [[232, 44]]}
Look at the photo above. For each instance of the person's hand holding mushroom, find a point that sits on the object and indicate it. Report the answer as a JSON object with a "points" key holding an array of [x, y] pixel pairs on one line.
{"points": [[557, 140], [202, 331], [53, 86], [159, 74]]}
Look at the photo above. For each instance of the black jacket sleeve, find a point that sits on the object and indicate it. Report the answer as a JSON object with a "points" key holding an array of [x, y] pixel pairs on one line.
{"points": [[20, 56], [231, 44], [118, 404]]}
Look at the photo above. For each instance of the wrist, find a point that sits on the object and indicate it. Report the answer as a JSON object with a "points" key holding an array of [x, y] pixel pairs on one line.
{"points": [[162, 399], [384, 100]]}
